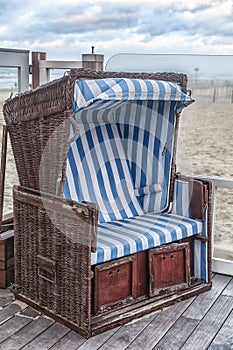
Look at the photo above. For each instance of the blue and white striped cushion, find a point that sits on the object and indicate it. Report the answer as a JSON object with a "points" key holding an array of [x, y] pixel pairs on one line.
{"points": [[143, 132], [124, 237], [108, 114], [147, 129], [181, 206], [97, 171], [123, 89], [181, 201]]}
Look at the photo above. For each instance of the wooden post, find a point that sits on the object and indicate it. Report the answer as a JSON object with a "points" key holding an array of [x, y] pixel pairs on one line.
{"points": [[3, 171], [36, 57], [93, 61], [214, 95]]}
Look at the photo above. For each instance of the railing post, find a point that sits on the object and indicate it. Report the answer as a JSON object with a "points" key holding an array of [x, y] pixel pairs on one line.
{"points": [[93, 61], [36, 57]]}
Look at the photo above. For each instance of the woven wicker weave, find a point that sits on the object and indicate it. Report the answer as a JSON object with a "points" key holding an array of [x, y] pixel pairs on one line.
{"points": [[32, 117], [62, 282]]}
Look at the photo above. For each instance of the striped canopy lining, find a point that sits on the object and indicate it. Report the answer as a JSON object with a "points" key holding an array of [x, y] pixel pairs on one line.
{"points": [[120, 158]]}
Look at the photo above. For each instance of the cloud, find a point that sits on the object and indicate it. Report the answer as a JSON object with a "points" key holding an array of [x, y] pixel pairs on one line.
{"points": [[68, 27], [206, 20]]}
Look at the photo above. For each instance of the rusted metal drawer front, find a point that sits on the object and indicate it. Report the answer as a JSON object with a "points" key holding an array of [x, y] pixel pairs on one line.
{"points": [[169, 268]]}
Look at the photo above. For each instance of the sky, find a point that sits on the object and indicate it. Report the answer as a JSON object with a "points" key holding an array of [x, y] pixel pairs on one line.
{"points": [[65, 29]]}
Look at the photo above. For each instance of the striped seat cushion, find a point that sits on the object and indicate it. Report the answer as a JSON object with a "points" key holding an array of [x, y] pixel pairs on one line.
{"points": [[124, 237]]}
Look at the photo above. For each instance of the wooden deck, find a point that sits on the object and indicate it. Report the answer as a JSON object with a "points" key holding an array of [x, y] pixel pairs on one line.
{"points": [[203, 322]]}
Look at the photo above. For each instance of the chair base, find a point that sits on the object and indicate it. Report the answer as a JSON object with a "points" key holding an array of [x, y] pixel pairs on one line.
{"points": [[53, 271], [131, 311]]}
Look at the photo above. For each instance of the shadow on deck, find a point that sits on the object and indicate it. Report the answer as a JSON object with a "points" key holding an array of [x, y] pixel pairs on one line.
{"points": [[202, 322]]}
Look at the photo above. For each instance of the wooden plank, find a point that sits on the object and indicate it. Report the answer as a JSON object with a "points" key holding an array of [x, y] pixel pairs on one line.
{"points": [[21, 338], [29, 312], [177, 335], [159, 326], [127, 333], [95, 343], [71, 341], [224, 339], [168, 329], [9, 311], [204, 301], [5, 297], [12, 325], [209, 326], [48, 338], [229, 289]]}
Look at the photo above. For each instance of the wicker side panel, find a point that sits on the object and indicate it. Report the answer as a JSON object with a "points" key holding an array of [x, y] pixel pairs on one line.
{"points": [[52, 255], [45, 101], [40, 150]]}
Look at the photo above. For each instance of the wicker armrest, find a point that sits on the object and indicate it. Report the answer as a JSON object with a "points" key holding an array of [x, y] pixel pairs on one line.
{"points": [[60, 212]]}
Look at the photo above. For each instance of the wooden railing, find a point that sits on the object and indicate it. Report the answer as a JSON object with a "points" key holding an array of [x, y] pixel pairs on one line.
{"points": [[41, 67]]}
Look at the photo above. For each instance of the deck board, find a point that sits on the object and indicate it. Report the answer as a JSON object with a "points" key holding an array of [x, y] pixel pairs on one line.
{"points": [[202, 322], [127, 333], [25, 335], [224, 339], [96, 342], [210, 325], [159, 326], [71, 341], [178, 334], [229, 289], [204, 301], [48, 338]]}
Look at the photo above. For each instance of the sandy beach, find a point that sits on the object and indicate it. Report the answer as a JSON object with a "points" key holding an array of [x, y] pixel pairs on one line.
{"points": [[205, 148]]}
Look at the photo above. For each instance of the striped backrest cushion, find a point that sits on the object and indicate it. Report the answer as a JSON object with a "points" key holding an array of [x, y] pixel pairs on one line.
{"points": [[181, 201], [147, 130], [97, 171], [121, 153]]}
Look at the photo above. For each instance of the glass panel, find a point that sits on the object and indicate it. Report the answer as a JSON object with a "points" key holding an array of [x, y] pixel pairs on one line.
{"points": [[57, 73], [8, 85], [8, 82], [223, 244], [205, 147]]}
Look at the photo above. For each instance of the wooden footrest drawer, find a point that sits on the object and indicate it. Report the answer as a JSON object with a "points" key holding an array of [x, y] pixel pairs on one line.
{"points": [[169, 268], [119, 281]]}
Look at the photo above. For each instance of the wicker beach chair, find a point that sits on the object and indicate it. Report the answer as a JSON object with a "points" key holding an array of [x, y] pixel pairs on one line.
{"points": [[105, 230]]}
